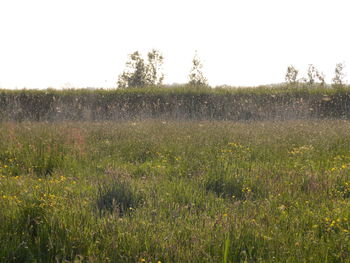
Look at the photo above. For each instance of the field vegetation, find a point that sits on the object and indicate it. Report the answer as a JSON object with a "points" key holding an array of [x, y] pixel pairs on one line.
{"points": [[183, 102], [175, 191]]}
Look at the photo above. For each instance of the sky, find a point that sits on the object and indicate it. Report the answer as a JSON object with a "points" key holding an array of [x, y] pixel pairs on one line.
{"points": [[85, 43]]}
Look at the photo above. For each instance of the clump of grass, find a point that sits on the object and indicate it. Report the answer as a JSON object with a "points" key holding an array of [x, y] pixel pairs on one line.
{"points": [[235, 186], [225, 185], [118, 196], [230, 175]]}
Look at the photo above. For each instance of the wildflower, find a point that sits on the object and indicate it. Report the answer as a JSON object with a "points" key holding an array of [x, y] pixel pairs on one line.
{"points": [[282, 207], [246, 190]]}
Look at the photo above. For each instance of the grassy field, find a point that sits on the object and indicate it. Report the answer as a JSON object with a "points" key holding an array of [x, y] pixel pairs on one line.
{"points": [[157, 191]]}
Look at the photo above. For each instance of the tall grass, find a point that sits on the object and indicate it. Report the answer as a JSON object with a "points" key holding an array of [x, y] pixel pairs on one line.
{"points": [[175, 191], [280, 102]]}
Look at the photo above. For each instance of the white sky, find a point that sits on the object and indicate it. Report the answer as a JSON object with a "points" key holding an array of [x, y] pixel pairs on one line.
{"points": [[49, 43]]}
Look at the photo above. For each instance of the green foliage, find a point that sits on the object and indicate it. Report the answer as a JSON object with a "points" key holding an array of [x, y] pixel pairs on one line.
{"points": [[139, 73], [339, 75], [291, 75], [155, 62], [196, 76], [314, 75]]}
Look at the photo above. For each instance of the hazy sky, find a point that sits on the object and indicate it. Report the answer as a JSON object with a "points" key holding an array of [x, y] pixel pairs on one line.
{"points": [[85, 43]]}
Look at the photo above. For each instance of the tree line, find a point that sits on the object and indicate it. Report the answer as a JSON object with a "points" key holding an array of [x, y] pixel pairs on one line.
{"points": [[141, 73], [314, 76]]}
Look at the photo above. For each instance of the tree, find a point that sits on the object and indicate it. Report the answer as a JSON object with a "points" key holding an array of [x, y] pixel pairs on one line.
{"points": [[338, 80], [196, 76], [139, 73], [155, 62], [291, 75], [313, 75]]}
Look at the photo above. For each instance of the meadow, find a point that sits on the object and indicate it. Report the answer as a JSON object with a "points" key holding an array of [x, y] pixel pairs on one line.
{"points": [[175, 191]]}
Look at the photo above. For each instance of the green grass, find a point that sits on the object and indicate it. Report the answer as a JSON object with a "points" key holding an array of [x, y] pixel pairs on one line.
{"points": [[175, 192]]}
